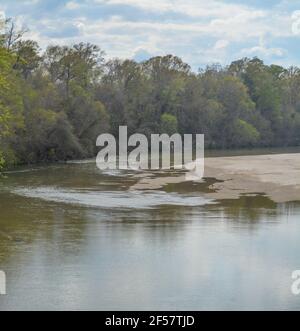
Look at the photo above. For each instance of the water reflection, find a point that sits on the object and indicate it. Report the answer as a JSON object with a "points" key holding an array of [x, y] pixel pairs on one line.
{"points": [[60, 251]]}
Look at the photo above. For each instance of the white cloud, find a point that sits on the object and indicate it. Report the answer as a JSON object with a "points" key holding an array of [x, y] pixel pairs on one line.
{"points": [[199, 31], [72, 5], [121, 37], [221, 44], [193, 8], [263, 50], [2, 15], [233, 22]]}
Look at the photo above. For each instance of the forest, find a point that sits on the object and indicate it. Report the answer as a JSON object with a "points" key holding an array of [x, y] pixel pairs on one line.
{"points": [[55, 102]]}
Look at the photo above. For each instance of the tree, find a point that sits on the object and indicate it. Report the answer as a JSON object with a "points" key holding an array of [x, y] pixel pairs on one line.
{"points": [[11, 34], [80, 63], [11, 106], [244, 134], [53, 105], [88, 118], [27, 57], [169, 124]]}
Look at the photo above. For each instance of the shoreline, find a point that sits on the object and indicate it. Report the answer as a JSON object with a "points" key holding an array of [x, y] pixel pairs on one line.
{"points": [[275, 175], [209, 153]]}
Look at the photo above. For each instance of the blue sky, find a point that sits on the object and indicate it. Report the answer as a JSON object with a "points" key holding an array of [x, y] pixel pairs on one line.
{"points": [[200, 31]]}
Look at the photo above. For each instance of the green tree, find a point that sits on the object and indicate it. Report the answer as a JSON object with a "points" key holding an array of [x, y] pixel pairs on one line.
{"points": [[11, 106], [27, 58], [168, 124]]}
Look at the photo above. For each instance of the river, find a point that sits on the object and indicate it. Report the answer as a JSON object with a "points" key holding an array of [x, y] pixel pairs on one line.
{"points": [[75, 238]]}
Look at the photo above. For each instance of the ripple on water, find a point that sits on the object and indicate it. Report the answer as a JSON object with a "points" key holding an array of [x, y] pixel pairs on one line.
{"points": [[111, 199]]}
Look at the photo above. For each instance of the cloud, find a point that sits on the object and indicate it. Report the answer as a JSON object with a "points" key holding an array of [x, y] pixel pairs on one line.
{"points": [[199, 31], [264, 51], [2, 15], [72, 5], [193, 8], [221, 44]]}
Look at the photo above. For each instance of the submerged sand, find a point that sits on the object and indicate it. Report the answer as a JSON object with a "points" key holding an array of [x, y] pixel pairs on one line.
{"points": [[276, 176]]}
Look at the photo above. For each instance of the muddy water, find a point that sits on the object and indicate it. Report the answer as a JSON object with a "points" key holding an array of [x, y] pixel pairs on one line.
{"points": [[72, 237]]}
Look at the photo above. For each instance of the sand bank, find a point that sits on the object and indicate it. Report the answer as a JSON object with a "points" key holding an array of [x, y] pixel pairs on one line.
{"points": [[277, 176]]}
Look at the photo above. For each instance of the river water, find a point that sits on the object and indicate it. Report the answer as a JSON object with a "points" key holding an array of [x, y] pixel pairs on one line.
{"points": [[75, 238]]}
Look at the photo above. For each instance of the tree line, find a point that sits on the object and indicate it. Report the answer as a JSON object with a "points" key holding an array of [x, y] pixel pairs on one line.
{"points": [[54, 103]]}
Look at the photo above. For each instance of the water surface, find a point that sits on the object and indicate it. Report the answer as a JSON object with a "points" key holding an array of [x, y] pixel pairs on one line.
{"points": [[72, 237]]}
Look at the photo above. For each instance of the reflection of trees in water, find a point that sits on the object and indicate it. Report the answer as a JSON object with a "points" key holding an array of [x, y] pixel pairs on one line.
{"points": [[59, 230], [162, 223], [167, 220], [253, 209], [29, 223], [70, 176]]}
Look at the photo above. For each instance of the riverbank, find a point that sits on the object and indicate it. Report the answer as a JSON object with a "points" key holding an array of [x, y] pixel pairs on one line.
{"points": [[274, 175], [277, 176]]}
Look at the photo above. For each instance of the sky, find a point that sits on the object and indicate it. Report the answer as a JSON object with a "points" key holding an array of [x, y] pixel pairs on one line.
{"points": [[201, 32]]}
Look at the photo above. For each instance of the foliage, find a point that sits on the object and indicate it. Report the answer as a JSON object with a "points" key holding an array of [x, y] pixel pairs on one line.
{"points": [[169, 124], [54, 104]]}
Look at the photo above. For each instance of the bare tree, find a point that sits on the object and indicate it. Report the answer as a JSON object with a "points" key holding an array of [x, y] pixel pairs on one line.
{"points": [[11, 34]]}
